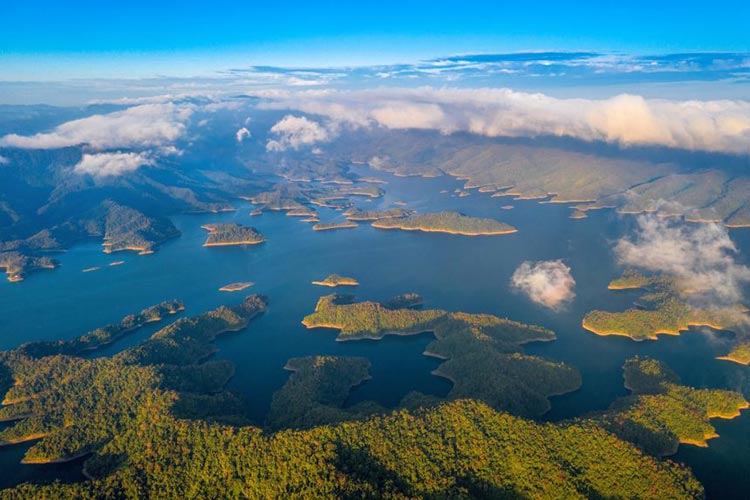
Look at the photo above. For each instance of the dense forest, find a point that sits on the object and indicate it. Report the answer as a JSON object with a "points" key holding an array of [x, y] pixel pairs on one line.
{"points": [[231, 234], [446, 222], [155, 420]]}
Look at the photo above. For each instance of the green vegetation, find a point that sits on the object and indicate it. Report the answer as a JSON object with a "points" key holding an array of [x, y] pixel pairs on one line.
{"points": [[316, 391], [231, 234], [662, 310], [740, 353], [129, 229], [158, 424], [334, 280], [482, 351], [404, 301], [371, 215], [446, 222], [328, 226], [76, 406], [18, 265], [660, 413], [104, 335]]}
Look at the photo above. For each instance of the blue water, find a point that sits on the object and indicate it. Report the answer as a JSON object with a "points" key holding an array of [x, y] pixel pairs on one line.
{"points": [[450, 272]]}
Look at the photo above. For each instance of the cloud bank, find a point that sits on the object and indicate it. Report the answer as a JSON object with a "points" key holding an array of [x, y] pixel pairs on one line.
{"points": [[548, 283], [144, 126], [628, 120], [701, 256], [294, 132], [111, 164]]}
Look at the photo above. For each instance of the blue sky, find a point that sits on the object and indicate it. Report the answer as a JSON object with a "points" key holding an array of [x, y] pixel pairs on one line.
{"points": [[44, 39]]}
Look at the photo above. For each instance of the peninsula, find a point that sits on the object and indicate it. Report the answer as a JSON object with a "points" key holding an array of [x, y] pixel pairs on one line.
{"points": [[447, 222], [231, 234]]}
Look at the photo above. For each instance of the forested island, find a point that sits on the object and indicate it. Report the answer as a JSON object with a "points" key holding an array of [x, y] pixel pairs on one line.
{"points": [[231, 234], [357, 214], [662, 310], [334, 280], [482, 352], [329, 226], [447, 222]]}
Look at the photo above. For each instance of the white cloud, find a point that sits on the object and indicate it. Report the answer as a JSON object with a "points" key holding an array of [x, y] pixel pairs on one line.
{"points": [[716, 126], [701, 256], [145, 126], [242, 134], [294, 132], [4, 160], [547, 282], [111, 164]]}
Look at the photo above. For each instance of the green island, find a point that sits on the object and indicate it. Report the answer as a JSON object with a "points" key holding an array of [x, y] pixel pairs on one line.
{"points": [[329, 226], [231, 234], [662, 311], [155, 421], [404, 301], [482, 352], [357, 214], [236, 287], [660, 413], [447, 222], [18, 265], [334, 280]]}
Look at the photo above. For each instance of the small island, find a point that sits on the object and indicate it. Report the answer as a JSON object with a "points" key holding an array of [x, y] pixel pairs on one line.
{"points": [[357, 214], [231, 234], [90, 269], [236, 287], [329, 226], [335, 280], [116, 263], [447, 222]]}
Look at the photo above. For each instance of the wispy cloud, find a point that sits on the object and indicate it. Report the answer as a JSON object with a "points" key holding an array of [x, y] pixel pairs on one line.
{"points": [[548, 283], [701, 256], [628, 120]]}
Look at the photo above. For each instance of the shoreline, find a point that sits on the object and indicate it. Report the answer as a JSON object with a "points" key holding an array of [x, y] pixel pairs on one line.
{"points": [[653, 335], [447, 231]]}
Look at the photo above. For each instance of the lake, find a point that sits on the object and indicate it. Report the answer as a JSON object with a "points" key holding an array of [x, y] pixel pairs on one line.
{"points": [[470, 274]]}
